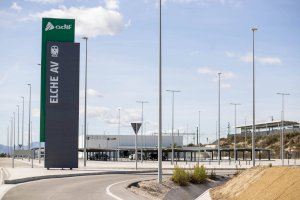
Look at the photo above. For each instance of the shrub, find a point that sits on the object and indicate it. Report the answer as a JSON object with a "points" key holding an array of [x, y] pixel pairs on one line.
{"points": [[199, 175], [213, 175], [180, 176], [270, 164]]}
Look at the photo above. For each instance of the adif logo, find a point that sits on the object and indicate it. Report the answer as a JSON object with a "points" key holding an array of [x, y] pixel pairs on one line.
{"points": [[49, 26]]}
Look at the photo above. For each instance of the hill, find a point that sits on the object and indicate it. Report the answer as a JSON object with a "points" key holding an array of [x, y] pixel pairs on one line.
{"points": [[272, 142], [261, 183]]}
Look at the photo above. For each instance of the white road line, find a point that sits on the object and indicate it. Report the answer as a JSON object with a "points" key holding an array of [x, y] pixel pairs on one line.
{"points": [[111, 194]]}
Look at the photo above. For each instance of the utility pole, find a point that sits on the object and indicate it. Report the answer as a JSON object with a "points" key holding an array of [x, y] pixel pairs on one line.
{"points": [[172, 135], [219, 118], [235, 105], [85, 101], [160, 104], [142, 102], [253, 111], [282, 126]]}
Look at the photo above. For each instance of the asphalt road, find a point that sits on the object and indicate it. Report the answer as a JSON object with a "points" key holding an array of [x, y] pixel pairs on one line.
{"points": [[81, 188]]}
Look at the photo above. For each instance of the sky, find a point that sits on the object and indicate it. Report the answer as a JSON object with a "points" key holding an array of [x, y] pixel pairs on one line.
{"points": [[199, 39]]}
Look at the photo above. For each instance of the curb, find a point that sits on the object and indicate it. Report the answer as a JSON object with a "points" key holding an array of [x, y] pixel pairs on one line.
{"points": [[35, 178], [205, 195]]}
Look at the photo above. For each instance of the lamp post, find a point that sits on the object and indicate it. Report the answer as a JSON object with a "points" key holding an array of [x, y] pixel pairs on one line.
{"points": [[219, 117], [245, 131], [18, 108], [282, 127], [160, 105], [119, 128], [253, 111], [142, 102], [173, 92], [7, 138], [85, 101], [29, 116], [14, 122], [22, 143], [235, 105]]}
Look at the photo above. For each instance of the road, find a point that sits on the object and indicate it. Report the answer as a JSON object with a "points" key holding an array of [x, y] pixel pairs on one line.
{"points": [[106, 187]]}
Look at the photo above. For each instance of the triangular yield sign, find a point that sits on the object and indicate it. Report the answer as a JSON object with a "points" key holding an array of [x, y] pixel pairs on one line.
{"points": [[136, 127]]}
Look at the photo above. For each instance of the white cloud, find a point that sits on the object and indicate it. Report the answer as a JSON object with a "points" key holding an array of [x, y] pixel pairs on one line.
{"points": [[112, 4], [16, 7], [212, 72], [93, 93], [90, 22], [246, 58], [46, 1], [110, 116], [128, 23], [206, 2], [225, 85], [268, 60]]}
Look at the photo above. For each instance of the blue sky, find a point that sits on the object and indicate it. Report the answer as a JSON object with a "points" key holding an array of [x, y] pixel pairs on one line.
{"points": [[200, 38]]}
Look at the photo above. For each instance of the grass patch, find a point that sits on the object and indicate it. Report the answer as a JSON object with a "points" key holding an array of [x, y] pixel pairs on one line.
{"points": [[199, 175], [180, 176]]}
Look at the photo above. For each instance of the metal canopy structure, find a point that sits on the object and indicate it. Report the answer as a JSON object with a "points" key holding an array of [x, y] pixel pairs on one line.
{"points": [[273, 124]]}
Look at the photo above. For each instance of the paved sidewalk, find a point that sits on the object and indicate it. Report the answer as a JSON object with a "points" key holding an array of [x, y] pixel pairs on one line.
{"points": [[23, 168]]}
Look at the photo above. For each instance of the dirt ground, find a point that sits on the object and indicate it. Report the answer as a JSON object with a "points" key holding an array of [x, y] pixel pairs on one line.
{"points": [[261, 183]]}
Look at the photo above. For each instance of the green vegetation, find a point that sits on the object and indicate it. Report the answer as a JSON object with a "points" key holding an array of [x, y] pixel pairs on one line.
{"points": [[180, 176], [196, 175], [199, 175]]}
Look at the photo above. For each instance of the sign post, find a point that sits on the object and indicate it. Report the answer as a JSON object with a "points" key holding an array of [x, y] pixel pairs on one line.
{"points": [[60, 30], [62, 105], [136, 127]]}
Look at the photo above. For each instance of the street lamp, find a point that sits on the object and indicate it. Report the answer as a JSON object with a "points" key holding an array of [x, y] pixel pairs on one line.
{"points": [[219, 117], [253, 111], [85, 99], [159, 153], [282, 125], [119, 127], [14, 122], [18, 108], [235, 105], [173, 92], [29, 116], [22, 144], [142, 102]]}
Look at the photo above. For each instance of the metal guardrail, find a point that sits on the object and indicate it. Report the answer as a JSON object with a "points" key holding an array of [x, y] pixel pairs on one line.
{"points": [[23, 153]]}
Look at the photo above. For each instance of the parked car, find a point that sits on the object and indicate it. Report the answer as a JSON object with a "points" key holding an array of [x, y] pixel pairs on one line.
{"points": [[102, 157], [154, 156], [132, 156]]}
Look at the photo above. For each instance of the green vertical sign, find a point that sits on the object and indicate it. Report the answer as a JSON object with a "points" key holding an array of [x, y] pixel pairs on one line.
{"points": [[54, 30]]}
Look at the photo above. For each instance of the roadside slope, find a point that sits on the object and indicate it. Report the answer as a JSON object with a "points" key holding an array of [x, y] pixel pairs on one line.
{"points": [[261, 183]]}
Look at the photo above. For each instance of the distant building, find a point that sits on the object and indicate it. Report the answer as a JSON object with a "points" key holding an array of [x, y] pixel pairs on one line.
{"points": [[268, 128], [128, 141]]}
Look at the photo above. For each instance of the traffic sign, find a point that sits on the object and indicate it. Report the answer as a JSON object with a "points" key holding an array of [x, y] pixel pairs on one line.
{"points": [[136, 127]]}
